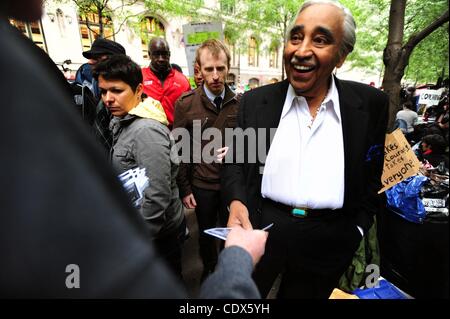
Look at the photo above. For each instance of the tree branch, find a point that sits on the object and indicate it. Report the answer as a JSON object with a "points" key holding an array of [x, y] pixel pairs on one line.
{"points": [[416, 38], [89, 27], [417, 12], [126, 19], [124, 4]]}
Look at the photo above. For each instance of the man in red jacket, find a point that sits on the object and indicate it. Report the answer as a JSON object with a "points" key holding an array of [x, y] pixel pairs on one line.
{"points": [[161, 81]]}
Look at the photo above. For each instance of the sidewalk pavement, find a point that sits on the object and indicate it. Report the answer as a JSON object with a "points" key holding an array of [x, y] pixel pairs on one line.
{"points": [[191, 262]]}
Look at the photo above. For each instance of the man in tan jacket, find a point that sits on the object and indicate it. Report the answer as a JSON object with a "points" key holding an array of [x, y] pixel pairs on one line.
{"points": [[212, 105]]}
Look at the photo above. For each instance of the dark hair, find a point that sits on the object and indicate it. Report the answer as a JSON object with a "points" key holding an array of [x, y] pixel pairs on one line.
{"points": [[436, 143], [177, 67], [408, 105], [348, 25], [119, 67]]}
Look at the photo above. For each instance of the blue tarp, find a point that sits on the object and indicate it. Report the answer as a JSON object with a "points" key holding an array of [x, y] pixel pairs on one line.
{"points": [[404, 199]]}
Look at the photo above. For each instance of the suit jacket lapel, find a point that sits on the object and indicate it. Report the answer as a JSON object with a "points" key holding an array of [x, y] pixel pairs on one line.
{"points": [[268, 113], [354, 130]]}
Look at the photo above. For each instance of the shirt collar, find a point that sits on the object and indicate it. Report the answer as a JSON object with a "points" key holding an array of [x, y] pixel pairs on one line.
{"points": [[332, 95], [211, 96], [289, 102]]}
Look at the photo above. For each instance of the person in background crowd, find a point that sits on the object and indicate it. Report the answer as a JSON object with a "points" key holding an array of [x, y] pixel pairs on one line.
{"points": [[199, 181], [198, 80], [432, 149], [142, 139], [99, 117], [439, 126], [410, 95], [409, 117], [100, 50], [161, 81], [77, 221], [176, 67], [442, 119]]}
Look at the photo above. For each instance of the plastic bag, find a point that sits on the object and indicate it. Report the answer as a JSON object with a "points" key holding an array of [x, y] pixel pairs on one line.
{"points": [[404, 199], [435, 199]]}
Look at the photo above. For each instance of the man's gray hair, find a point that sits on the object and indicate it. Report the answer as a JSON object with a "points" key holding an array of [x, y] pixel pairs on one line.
{"points": [[349, 25]]}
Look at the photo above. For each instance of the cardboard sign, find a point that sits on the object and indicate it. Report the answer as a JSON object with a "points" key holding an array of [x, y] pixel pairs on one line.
{"points": [[430, 97], [400, 162], [195, 34]]}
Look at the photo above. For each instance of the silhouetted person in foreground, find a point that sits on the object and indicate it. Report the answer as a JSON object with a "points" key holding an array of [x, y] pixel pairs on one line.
{"points": [[68, 229]]}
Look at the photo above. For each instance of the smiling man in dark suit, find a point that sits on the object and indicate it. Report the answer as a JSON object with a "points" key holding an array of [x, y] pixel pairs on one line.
{"points": [[318, 183]]}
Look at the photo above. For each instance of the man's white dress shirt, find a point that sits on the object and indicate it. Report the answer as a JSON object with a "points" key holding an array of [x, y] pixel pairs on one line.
{"points": [[305, 165]]}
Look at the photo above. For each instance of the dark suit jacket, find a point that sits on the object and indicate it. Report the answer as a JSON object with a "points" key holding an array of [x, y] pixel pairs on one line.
{"points": [[364, 113]]}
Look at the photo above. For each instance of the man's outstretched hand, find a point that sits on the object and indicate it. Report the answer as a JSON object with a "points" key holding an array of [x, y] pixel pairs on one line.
{"points": [[239, 215]]}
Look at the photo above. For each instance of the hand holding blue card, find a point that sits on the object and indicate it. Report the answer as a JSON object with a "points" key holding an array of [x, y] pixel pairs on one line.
{"points": [[222, 232]]}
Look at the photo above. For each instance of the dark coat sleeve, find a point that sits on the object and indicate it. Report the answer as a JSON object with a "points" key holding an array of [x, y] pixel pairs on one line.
{"points": [[232, 175], [371, 201], [232, 277], [184, 172]]}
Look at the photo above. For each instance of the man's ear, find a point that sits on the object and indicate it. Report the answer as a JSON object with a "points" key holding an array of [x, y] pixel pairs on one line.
{"points": [[341, 61]]}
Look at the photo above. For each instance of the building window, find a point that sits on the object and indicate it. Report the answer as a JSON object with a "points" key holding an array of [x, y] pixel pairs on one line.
{"points": [[253, 54], [273, 58], [32, 30], [90, 28], [232, 49], [150, 28], [274, 49]]}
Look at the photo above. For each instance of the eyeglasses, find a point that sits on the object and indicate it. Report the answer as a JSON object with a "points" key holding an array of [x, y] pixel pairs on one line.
{"points": [[164, 54]]}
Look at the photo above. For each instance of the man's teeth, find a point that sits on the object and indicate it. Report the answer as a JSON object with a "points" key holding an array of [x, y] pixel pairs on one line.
{"points": [[303, 68]]}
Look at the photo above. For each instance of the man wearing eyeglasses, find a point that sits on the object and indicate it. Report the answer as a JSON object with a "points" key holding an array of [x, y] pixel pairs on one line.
{"points": [[161, 81]]}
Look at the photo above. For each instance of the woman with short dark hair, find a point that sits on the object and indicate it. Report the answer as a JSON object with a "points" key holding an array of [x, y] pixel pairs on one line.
{"points": [[142, 139]]}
